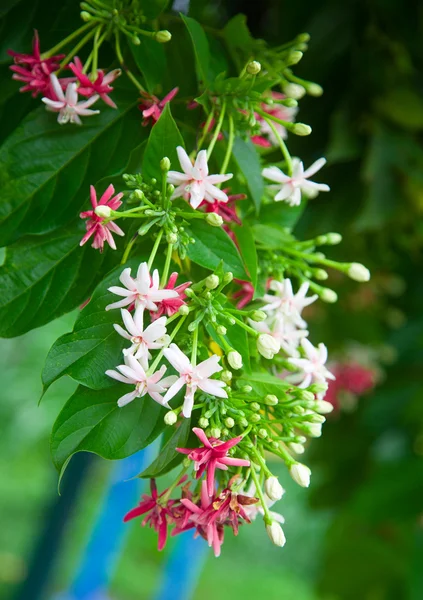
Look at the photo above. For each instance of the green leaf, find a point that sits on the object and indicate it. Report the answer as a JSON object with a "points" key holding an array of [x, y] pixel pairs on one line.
{"points": [[213, 245], [91, 421], [168, 457], [201, 47], [271, 236], [248, 161], [150, 57], [281, 214], [153, 8], [248, 251], [264, 383], [238, 39], [45, 277], [237, 338], [163, 141], [46, 168]]}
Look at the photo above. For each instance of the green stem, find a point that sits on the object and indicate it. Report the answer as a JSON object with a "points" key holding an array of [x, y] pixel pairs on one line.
{"points": [[160, 354], [267, 518], [205, 130], [283, 147], [68, 39], [245, 326], [260, 460], [128, 250], [229, 147], [194, 347], [124, 67], [76, 49], [155, 248], [217, 130], [167, 265], [96, 47], [165, 497]]}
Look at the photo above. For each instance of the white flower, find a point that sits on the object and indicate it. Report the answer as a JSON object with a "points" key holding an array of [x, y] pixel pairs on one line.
{"points": [[193, 377], [143, 291], [298, 182], [300, 474], [195, 184], [134, 373], [143, 340], [312, 367], [267, 345], [275, 533], [67, 105], [284, 333], [273, 488], [287, 304]]}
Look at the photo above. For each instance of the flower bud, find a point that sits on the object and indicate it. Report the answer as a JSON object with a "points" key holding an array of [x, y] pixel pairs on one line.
{"points": [[262, 433], [258, 315], [254, 67], [271, 400], [226, 376], [170, 418], [294, 57], [255, 406], [301, 129], [328, 295], [215, 432], [163, 36], [314, 89], [85, 16], [300, 474], [275, 533], [267, 345], [235, 359], [229, 422], [323, 407], [171, 238], [318, 388], [297, 448], [314, 429], [333, 238], [358, 272], [227, 277], [184, 310], [165, 164], [136, 40], [139, 194], [293, 90], [211, 282], [306, 395], [246, 389], [221, 330], [303, 38], [255, 418], [243, 422], [214, 219], [273, 488], [103, 211], [320, 274], [203, 422], [170, 188], [316, 418]]}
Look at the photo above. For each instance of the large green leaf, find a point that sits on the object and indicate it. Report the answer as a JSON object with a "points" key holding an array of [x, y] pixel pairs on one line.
{"points": [[201, 47], [264, 383], [46, 168], [91, 421], [44, 277], [168, 457], [238, 39], [281, 214], [150, 57], [237, 338], [213, 245], [247, 248], [248, 161], [163, 141], [153, 8]]}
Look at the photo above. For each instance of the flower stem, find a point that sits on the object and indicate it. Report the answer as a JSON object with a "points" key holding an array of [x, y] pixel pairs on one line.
{"points": [[267, 518], [167, 265], [96, 47], [166, 496], [282, 146], [128, 250], [260, 460], [119, 55], [205, 129], [229, 147], [76, 48], [160, 354], [194, 347], [245, 326], [68, 39], [155, 248], [217, 130]]}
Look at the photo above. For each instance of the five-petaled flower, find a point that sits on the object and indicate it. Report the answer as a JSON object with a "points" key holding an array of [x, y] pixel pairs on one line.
{"points": [[292, 186], [34, 71], [152, 107], [143, 291], [98, 226], [286, 304], [67, 105], [143, 340], [170, 306], [100, 86], [193, 377], [134, 373], [213, 455], [195, 184], [312, 367]]}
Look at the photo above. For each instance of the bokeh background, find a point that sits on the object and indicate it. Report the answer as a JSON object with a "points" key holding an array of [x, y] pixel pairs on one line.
{"points": [[357, 533]]}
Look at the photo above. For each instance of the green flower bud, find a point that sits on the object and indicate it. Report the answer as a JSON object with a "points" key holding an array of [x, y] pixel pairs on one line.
{"points": [[183, 310], [103, 211], [229, 422], [290, 102], [293, 90], [234, 359], [216, 432], [294, 57], [328, 295], [203, 422], [221, 330], [258, 315], [226, 376], [211, 282], [171, 238], [320, 274], [163, 36], [170, 418], [262, 433], [333, 238], [136, 40], [85, 16], [271, 400], [254, 67], [357, 272], [303, 38], [255, 418], [214, 219], [255, 406], [227, 277], [243, 422], [314, 89], [165, 164], [301, 129]]}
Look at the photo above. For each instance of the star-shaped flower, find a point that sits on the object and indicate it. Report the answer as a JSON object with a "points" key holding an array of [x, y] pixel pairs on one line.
{"points": [[152, 107], [287, 304], [312, 367], [67, 105], [143, 340], [292, 186], [100, 86], [98, 226], [170, 306]]}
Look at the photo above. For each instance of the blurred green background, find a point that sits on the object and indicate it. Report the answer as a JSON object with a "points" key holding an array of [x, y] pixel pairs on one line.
{"points": [[357, 533]]}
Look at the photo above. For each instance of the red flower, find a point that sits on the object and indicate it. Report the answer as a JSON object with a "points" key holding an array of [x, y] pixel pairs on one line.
{"points": [[101, 85], [96, 225], [33, 70], [212, 456], [245, 294], [170, 306], [152, 107]]}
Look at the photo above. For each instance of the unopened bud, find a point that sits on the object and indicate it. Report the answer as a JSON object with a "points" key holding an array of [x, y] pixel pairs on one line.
{"points": [[333, 238], [254, 67], [170, 418], [221, 330], [293, 90], [235, 359], [358, 272], [229, 422], [300, 474], [255, 418], [203, 422], [226, 376], [273, 488], [171, 238], [314, 430], [297, 448], [258, 315], [328, 295], [136, 40], [262, 433], [103, 211], [267, 345], [314, 89], [323, 407], [183, 310], [246, 389], [243, 422], [216, 432], [214, 219], [163, 36], [271, 400], [227, 277], [255, 406], [318, 388], [303, 38], [301, 129], [290, 102], [170, 188], [139, 194], [85, 16], [165, 164], [275, 533], [320, 274], [306, 395], [316, 418], [211, 282], [294, 57]]}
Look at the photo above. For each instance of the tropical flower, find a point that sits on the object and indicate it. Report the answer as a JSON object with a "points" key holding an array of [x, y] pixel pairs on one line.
{"points": [[245, 294], [34, 71], [100, 86], [67, 105], [152, 107], [143, 340], [170, 306], [143, 291], [98, 226], [292, 186], [193, 377], [312, 367], [195, 184], [133, 373], [287, 336], [213, 455], [286, 304]]}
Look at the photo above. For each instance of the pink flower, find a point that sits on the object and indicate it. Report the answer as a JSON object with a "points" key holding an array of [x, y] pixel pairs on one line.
{"points": [[67, 105], [101, 85], [245, 294], [212, 456], [96, 225], [170, 306], [33, 70], [152, 107], [279, 111], [228, 509]]}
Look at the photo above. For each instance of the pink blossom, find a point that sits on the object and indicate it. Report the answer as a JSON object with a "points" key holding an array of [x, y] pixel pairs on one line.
{"points": [[34, 71], [152, 107], [67, 105], [101, 84], [279, 111], [97, 226], [170, 306], [245, 294], [212, 456]]}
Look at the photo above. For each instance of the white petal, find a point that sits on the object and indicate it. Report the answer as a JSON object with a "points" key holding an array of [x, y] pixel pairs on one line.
{"points": [[177, 359], [57, 88], [201, 163], [213, 387], [208, 367], [275, 174], [127, 398], [316, 166], [184, 160]]}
